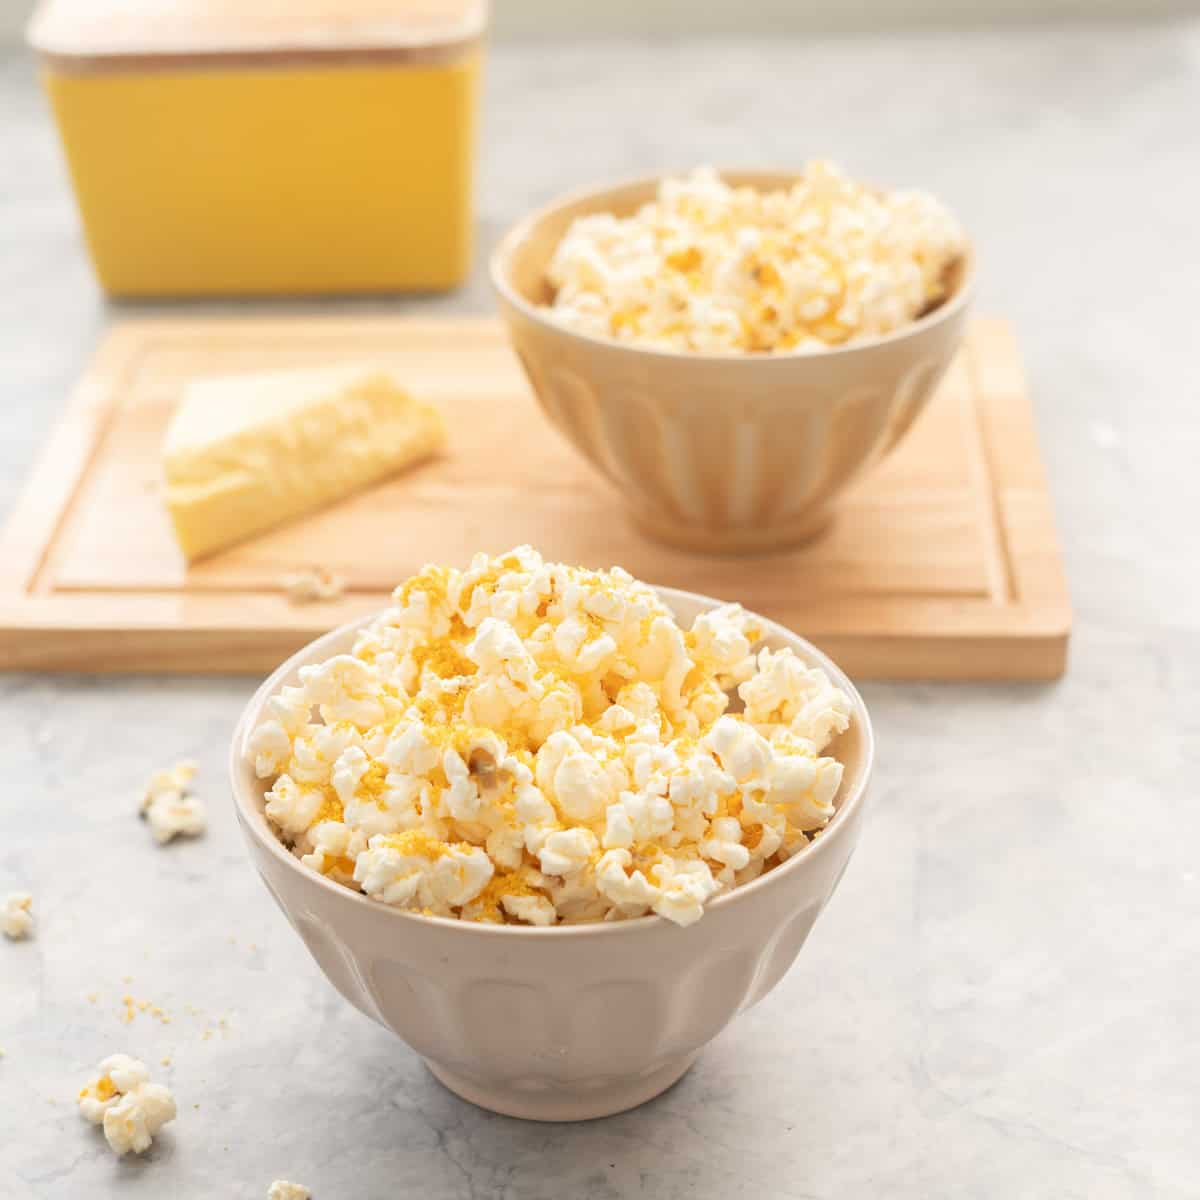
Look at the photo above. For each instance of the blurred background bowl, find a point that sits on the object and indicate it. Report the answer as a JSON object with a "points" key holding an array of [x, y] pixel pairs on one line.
{"points": [[727, 453], [570, 1021]]}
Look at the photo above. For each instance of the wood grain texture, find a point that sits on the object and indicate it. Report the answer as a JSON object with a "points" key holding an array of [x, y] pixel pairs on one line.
{"points": [[944, 563]]}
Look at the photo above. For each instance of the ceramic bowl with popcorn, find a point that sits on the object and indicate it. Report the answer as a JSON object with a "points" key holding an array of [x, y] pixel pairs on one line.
{"points": [[734, 350], [552, 826]]}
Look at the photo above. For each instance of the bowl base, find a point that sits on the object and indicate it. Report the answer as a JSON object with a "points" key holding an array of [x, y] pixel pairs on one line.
{"points": [[734, 541], [563, 1103]]}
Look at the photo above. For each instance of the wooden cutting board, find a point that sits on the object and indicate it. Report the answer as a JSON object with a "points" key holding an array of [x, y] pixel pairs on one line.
{"points": [[943, 564]]}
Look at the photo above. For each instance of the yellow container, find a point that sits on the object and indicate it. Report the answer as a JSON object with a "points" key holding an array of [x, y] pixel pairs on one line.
{"points": [[261, 146]]}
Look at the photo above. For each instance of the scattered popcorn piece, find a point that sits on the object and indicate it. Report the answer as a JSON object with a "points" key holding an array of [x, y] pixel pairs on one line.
{"points": [[282, 1190], [168, 806], [527, 742], [709, 267], [16, 915], [312, 585], [130, 1107]]}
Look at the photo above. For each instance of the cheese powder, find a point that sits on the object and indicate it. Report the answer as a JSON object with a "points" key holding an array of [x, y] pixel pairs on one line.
{"points": [[534, 743]]}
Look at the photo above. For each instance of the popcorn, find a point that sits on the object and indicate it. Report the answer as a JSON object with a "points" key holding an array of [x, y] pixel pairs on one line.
{"points": [[313, 585], [567, 851], [168, 806], [345, 689], [740, 749], [271, 742], [637, 817], [724, 843], [526, 742], [292, 806], [724, 636], [415, 870], [628, 889], [785, 692], [16, 915], [130, 1107], [531, 910], [335, 850], [709, 267], [282, 1190], [806, 788], [685, 886]]}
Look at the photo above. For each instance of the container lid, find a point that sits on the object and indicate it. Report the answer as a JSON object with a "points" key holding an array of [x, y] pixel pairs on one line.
{"points": [[100, 33]]}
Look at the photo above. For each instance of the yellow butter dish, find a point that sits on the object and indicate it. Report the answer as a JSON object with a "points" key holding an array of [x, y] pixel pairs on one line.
{"points": [[249, 147], [246, 452]]}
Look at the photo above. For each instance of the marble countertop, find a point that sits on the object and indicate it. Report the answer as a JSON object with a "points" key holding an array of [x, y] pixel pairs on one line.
{"points": [[1000, 1001]]}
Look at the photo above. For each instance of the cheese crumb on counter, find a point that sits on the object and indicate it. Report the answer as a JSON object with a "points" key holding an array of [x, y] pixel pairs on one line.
{"points": [[282, 1190], [710, 267], [313, 585], [168, 806], [131, 1007], [246, 452], [16, 915], [528, 742], [131, 1109]]}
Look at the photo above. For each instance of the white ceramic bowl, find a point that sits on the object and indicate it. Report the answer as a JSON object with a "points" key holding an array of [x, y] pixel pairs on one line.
{"points": [[567, 1022], [719, 452]]}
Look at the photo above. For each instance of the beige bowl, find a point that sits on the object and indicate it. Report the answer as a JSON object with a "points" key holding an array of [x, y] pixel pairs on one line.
{"points": [[718, 452], [569, 1022]]}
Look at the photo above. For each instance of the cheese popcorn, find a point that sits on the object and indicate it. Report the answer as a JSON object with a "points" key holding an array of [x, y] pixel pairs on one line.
{"points": [[525, 742], [282, 1190], [709, 267], [16, 915], [169, 807], [130, 1107]]}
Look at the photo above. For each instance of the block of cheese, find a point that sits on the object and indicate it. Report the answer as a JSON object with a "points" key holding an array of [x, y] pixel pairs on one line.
{"points": [[246, 452]]}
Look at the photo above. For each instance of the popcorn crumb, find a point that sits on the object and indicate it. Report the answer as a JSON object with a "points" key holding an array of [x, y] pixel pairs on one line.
{"points": [[528, 742], [168, 805], [16, 915], [282, 1190], [130, 1107], [710, 267], [312, 585], [131, 1007]]}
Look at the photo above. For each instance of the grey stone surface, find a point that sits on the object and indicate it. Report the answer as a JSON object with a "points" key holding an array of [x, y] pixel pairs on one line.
{"points": [[1001, 1000]]}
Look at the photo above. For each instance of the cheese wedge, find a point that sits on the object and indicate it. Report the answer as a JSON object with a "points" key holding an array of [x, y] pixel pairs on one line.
{"points": [[246, 452]]}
